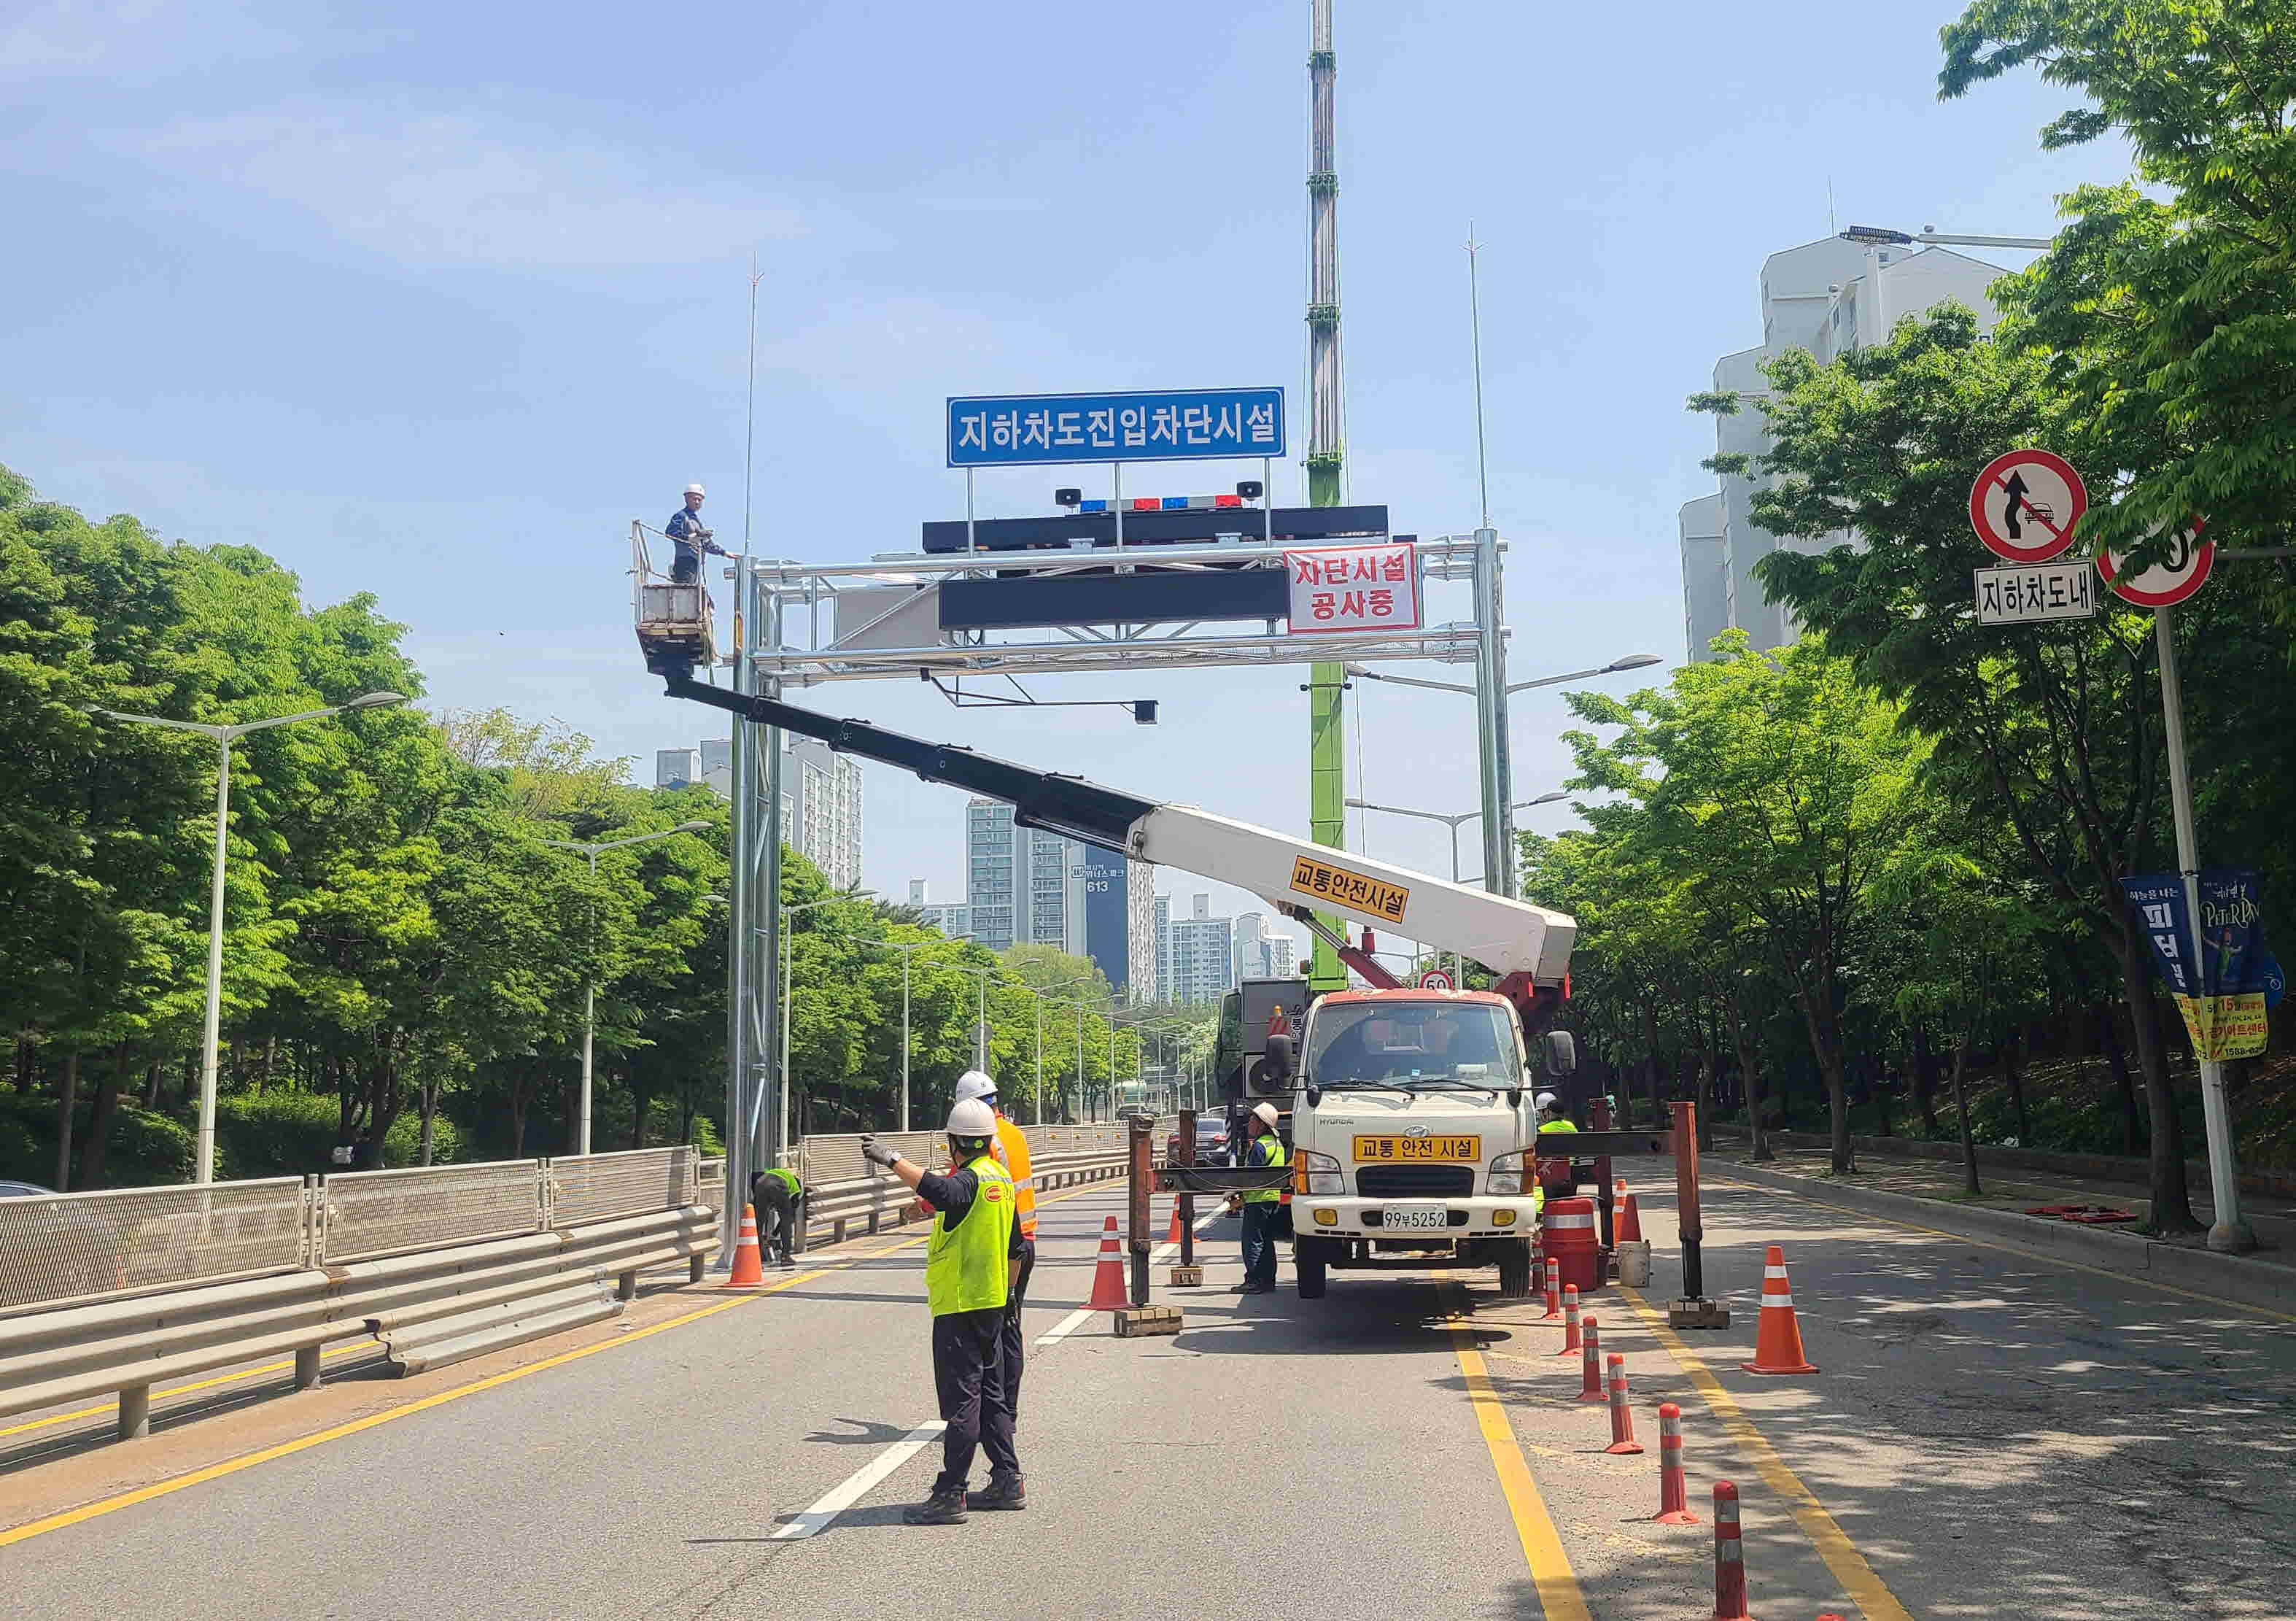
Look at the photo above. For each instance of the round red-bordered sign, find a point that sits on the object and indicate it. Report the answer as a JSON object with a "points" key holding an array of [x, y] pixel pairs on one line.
{"points": [[1435, 979], [2164, 584], [2025, 504]]}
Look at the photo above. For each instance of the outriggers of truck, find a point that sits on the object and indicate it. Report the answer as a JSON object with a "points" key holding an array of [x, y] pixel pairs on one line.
{"points": [[1411, 1112]]}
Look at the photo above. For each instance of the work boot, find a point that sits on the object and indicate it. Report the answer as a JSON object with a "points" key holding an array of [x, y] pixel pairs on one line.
{"points": [[1003, 1491], [783, 1263], [941, 1509]]}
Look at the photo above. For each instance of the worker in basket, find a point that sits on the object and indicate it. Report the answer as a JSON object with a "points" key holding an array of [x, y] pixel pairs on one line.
{"points": [[687, 533], [972, 1262]]}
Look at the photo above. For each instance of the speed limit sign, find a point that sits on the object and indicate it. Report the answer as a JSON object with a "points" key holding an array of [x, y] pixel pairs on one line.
{"points": [[1435, 979]]}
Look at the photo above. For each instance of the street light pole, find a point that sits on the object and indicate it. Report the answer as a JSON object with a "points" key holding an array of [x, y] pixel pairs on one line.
{"points": [[211, 1020], [1454, 822], [590, 984]]}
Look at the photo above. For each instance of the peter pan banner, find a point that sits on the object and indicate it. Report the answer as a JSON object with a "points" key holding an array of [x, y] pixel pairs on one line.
{"points": [[2223, 997]]}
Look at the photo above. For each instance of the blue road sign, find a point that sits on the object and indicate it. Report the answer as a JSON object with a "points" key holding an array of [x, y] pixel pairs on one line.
{"points": [[1166, 425]]}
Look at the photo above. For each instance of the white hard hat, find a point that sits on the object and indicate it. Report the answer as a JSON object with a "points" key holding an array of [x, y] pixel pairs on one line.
{"points": [[1546, 1100], [1265, 1112], [974, 1083], [695, 489], [972, 1118]]}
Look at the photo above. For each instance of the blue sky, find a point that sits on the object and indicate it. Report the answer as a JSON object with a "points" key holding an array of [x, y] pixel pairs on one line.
{"points": [[430, 300]]}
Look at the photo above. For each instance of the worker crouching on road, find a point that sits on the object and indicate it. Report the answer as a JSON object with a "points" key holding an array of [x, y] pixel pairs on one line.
{"points": [[779, 1200], [1261, 1206], [1011, 1152], [972, 1262]]}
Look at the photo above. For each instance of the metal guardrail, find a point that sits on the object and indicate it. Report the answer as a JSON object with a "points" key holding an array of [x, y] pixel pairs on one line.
{"points": [[117, 1291], [63, 1246], [366, 1214], [592, 1187]]}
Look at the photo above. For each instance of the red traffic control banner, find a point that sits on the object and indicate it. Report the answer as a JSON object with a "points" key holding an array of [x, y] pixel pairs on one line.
{"points": [[1354, 587]]}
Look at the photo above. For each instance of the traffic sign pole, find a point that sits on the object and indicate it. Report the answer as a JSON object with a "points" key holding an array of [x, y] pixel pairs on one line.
{"points": [[2228, 1233]]}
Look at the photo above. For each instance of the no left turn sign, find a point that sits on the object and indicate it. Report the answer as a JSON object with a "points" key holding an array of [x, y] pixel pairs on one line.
{"points": [[2025, 504]]}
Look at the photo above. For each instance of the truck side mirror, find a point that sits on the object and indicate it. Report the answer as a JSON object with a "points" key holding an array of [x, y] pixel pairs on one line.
{"points": [[1562, 1054], [1279, 1055]]}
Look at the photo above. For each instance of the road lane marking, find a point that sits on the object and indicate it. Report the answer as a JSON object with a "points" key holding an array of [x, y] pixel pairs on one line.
{"points": [[233, 1466], [161, 1395], [1560, 1597], [858, 1485], [1077, 1319], [2009, 1249], [287, 1449], [1858, 1578]]}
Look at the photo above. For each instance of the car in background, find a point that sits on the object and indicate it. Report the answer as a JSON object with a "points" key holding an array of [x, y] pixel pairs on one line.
{"points": [[54, 1249], [1211, 1141]]}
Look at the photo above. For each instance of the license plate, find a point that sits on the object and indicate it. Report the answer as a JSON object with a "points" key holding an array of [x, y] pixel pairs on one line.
{"points": [[1413, 1218], [1401, 1150]]}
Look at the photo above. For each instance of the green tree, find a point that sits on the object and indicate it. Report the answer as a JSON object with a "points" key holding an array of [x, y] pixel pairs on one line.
{"points": [[1785, 789]]}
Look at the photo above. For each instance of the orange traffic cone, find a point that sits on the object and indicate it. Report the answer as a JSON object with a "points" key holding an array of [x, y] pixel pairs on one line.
{"points": [[1172, 1234], [1108, 1293], [1630, 1222], [748, 1266], [1777, 1344]]}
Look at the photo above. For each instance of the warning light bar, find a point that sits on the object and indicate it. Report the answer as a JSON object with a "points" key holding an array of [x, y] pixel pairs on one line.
{"points": [[1163, 504]]}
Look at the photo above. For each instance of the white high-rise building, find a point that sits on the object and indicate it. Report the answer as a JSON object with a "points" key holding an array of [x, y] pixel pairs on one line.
{"points": [[1828, 297], [1017, 879], [1282, 957], [1248, 940], [821, 801], [677, 768], [1202, 949]]}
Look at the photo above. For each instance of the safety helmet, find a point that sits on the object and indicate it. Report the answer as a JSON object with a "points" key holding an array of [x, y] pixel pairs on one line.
{"points": [[974, 1083], [1546, 1101], [695, 489], [1265, 1112], [972, 1118]]}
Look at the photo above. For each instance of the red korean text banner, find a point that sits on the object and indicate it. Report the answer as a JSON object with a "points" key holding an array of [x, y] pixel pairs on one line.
{"points": [[1354, 587]]}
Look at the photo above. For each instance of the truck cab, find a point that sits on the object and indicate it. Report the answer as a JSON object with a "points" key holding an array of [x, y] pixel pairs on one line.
{"points": [[1413, 1134]]}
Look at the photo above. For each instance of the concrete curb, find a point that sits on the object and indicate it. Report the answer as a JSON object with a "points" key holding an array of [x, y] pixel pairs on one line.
{"points": [[2236, 1279]]}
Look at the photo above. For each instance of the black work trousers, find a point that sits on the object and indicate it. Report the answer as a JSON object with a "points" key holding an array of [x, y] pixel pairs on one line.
{"points": [[968, 1356], [1014, 1356], [1259, 1219]]}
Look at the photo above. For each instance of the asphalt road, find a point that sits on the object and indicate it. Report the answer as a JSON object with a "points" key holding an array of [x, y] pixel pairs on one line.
{"points": [[1988, 1434]]}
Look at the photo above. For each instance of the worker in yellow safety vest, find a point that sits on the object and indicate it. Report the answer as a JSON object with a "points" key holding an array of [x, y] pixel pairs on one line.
{"points": [[1554, 1173], [1261, 1206], [972, 1260], [1011, 1152]]}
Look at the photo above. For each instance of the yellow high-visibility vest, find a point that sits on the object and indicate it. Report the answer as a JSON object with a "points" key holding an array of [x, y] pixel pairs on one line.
{"points": [[1275, 1157], [969, 1269]]}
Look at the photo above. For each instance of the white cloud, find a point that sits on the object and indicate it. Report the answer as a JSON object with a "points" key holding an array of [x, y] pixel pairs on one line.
{"points": [[443, 189], [131, 38]]}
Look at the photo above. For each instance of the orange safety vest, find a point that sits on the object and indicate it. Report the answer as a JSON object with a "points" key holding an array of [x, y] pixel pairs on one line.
{"points": [[1011, 1152]]}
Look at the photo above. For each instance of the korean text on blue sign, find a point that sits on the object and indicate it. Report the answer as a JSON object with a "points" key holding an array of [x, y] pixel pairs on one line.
{"points": [[2157, 900], [1182, 424]]}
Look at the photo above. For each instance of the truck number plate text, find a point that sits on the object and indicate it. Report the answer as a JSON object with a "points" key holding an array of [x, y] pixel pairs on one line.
{"points": [[1413, 1218], [1398, 1150], [1325, 882]]}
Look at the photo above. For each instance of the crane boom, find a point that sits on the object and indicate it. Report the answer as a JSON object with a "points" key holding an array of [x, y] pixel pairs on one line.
{"points": [[1528, 946]]}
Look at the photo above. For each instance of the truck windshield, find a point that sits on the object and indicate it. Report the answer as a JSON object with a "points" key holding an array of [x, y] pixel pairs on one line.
{"points": [[1413, 1045]]}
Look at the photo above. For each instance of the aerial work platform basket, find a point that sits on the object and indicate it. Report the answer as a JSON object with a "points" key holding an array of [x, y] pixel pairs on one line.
{"points": [[674, 627]]}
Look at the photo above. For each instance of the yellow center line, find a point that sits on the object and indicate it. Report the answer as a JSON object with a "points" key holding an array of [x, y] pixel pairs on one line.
{"points": [[286, 1449], [161, 1395], [2008, 1249], [233, 1466], [1560, 1598], [1871, 1594]]}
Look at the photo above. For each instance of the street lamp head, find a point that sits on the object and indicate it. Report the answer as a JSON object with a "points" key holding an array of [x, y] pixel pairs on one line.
{"points": [[1544, 799], [1875, 236], [1633, 661], [376, 700], [691, 828], [1358, 671]]}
